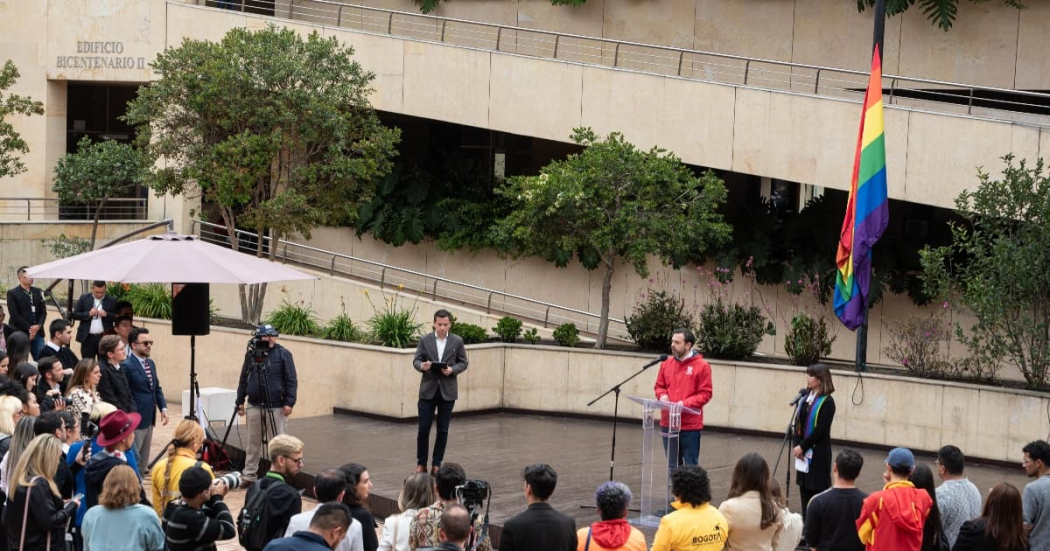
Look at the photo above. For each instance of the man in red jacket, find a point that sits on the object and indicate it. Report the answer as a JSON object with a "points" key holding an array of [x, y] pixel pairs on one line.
{"points": [[892, 519], [685, 378]]}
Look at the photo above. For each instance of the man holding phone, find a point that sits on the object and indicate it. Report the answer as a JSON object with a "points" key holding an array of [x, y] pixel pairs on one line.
{"points": [[440, 357]]}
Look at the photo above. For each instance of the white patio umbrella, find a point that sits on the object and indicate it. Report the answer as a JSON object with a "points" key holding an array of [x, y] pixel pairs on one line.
{"points": [[169, 258]]}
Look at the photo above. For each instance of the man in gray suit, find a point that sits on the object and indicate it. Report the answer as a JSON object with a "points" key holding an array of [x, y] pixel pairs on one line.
{"points": [[437, 388]]}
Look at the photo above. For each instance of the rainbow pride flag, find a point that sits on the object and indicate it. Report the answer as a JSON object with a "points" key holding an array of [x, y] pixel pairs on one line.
{"points": [[868, 210]]}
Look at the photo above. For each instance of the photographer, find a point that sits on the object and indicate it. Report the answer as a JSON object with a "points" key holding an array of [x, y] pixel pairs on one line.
{"points": [[48, 389], [199, 518], [425, 525], [268, 382]]}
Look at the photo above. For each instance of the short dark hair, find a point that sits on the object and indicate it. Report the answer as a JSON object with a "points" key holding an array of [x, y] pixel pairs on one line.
{"points": [[45, 365], [613, 498], [1038, 450], [442, 313], [849, 463], [58, 326], [11, 387], [98, 283], [542, 479], [328, 484], [449, 476], [455, 521], [331, 515], [47, 423], [121, 319], [107, 344], [900, 471], [689, 483], [23, 372], [133, 337], [67, 418], [21, 269], [123, 305], [952, 459], [686, 333]]}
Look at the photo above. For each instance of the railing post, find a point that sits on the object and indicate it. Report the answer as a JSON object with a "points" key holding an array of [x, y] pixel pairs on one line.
{"points": [[444, 23], [616, 55], [382, 278], [546, 316], [331, 270], [29, 210], [969, 103], [893, 87], [339, 17], [681, 55], [747, 69], [488, 305], [390, 24], [434, 293], [499, 34], [557, 38], [816, 83]]}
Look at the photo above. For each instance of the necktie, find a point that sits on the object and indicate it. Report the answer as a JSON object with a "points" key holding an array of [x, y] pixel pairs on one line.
{"points": [[149, 372]]}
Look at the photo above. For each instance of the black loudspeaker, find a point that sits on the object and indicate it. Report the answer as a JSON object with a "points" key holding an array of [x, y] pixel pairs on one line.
{"points": [[189, 309]]}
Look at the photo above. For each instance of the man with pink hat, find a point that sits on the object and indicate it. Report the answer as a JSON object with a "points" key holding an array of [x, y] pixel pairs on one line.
{"points": [[116, 435]]}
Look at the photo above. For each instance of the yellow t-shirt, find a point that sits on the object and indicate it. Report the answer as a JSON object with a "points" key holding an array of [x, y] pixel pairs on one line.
{"points": [[692, 528]]}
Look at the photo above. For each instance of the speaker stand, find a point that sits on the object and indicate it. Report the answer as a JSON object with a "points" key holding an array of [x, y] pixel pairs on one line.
{"points": [[195, 390]]}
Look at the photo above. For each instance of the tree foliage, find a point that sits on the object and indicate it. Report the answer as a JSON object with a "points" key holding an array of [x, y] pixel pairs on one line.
{"points": [[98, 172], [11, 143], [274, 130], [939, 12], [613, 203], [998, 266]]}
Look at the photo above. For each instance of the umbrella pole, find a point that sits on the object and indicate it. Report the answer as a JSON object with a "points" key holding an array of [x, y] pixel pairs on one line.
{"points": [[193, 377]]}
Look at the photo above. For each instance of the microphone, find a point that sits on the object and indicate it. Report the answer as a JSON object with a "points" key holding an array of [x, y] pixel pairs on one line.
{"points": [[661, 359], [801, 394]]}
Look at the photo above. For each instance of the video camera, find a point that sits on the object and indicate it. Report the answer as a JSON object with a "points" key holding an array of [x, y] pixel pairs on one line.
{"points": [[475, 496], [258, 348]]}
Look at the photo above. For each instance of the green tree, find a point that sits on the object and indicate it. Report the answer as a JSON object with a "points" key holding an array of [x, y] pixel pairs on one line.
{"points": [[98, 172], [272, 129], [998, 266], [11, 143], [940, 12], [612, 203]]}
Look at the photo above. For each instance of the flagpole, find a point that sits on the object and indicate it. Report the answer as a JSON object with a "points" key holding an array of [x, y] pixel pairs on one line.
{"points": [[878, 37]]}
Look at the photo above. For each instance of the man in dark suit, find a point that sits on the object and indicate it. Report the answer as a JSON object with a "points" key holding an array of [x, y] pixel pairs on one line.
{"points": [[113, 386], [95, 312], [28, 312], [539, 526], [144, 384], [437, 388], [61, 334]]}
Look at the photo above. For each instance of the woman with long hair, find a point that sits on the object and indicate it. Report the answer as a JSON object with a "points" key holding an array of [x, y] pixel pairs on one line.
{"points": [[19, 442], [10, 414], [812, 434], [182, 454], [82, 391], [932, 533], [119, 521], [358, 488], [417, 493], [26, 374], [35, 516], [751, 512], [4, 362], [1000, 526], [18, 349]]}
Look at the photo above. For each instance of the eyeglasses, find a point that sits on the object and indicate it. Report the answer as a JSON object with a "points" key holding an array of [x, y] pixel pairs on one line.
{"points": [[297, 461], [145, 343]]}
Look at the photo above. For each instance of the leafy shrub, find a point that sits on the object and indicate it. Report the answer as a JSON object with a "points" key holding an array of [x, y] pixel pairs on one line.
{"points": [[470, 333], [152, 300], [918, 345], [532, 336], [65, 247], [295, 319], [731, 331], [393, 325], [118, 290], [342, 328], [508, 329], [567, 335], [652, 322], [808, 340]]}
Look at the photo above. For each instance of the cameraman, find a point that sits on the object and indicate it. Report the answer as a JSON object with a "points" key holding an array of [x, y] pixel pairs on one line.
{"points": [[425, 526], [199, 518], [278, 399]]}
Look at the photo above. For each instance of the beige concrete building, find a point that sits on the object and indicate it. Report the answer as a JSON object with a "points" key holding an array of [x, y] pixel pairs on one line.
{"points": [[764, 88]]}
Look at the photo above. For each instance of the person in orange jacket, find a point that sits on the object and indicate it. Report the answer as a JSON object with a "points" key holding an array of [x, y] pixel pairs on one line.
{"points": [[892, 518], [613, 532]]}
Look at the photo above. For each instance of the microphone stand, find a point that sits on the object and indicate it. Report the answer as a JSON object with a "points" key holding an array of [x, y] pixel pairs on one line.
{"points": [[616, 410], [788, 433]]}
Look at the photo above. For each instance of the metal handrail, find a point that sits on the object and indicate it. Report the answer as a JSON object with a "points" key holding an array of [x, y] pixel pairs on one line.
{"points": [[386, 274], [822, 83], [50, 208]]}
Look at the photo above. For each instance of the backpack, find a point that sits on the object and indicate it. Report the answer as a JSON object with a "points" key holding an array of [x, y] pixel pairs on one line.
{"points": [[255, 523]]}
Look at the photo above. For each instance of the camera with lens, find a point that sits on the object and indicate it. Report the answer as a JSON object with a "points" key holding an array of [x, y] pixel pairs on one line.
{"points": [[231, 480], [88, 429], [472, 493], [258, 348]]}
